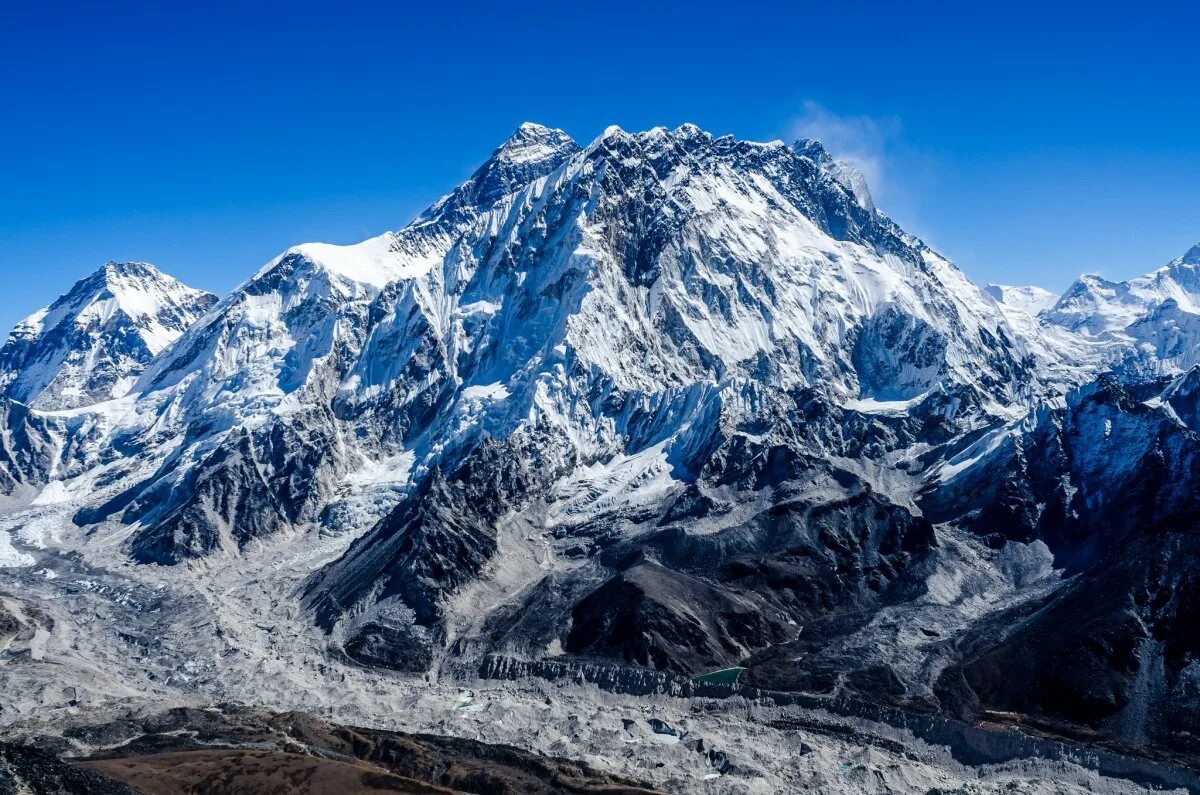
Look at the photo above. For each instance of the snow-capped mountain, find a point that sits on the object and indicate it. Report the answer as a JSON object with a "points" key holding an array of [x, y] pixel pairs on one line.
{"points": [[667, 400], [595, 338], [655, 267], [1146, 325], [1029, 300], [1096, 306], [92, 343]]}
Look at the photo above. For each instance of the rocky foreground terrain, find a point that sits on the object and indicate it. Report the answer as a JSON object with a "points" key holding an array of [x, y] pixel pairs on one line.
{"points": [[230, 749], [670, 454]]}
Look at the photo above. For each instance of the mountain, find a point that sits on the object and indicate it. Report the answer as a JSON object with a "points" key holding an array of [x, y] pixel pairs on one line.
{"points": [[555, 290], [650, 407], [1107, 480], [91, 344], [276, 368], [1147, 325], [627, 348], [1095, 306], [1029, 300]]}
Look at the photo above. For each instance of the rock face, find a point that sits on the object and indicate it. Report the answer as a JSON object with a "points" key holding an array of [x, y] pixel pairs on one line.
{"points": [[92, 343], [676, 402], [1108, 482], [25, 769], [845, 173]]}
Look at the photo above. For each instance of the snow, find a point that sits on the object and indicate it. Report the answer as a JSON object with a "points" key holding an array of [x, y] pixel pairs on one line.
{"points": [[91, 343], [977, 452], [33, 324], [10, 556], [54, 492], [374, 262], [495, 391], [872, 406], [531, 144], [604, 487], [390, 470], [1030, 300], [1156, 315]]}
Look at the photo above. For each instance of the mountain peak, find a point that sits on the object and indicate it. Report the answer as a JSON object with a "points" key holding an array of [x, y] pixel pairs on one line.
{"points": [[532, 151], [130, 268], [689, 130], [89, 344], [533, 128], [844, 173], [814, 150], [533, 143], [1192, 256], [124, 275], [1093, 280]]}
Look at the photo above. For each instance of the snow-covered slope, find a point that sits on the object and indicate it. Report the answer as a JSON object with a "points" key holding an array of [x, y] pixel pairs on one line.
{"points": [[1096, 306], [1030, 300], [92, 343]]}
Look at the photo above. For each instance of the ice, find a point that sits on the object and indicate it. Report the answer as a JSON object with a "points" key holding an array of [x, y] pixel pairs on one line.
{"points": [[872, 406], [10, 556]]}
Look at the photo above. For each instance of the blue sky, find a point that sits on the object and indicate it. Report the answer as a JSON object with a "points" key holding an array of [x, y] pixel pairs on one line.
{"points": [[1027, 143]]}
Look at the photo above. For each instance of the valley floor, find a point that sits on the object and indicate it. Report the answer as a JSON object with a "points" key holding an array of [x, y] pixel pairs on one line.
{"points": [[90, 639]]}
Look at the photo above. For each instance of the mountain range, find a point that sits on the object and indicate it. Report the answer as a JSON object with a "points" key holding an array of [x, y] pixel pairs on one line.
{"points": [[660, 405]]}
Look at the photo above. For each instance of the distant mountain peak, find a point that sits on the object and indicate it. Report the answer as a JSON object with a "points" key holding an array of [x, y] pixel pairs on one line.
{"points": [[689, 130], [1029, 299], [90, 344], [132, 267], [1150, 323], [532, 143], [532, 151], [1192, 256], [533, 128], [813, 149]]}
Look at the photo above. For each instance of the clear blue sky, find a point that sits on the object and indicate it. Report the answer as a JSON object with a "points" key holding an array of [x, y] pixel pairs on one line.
{"points": [[1027, 143]]}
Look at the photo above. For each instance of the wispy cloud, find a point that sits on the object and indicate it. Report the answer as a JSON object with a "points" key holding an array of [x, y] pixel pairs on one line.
{"points": [[862, 141]]}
